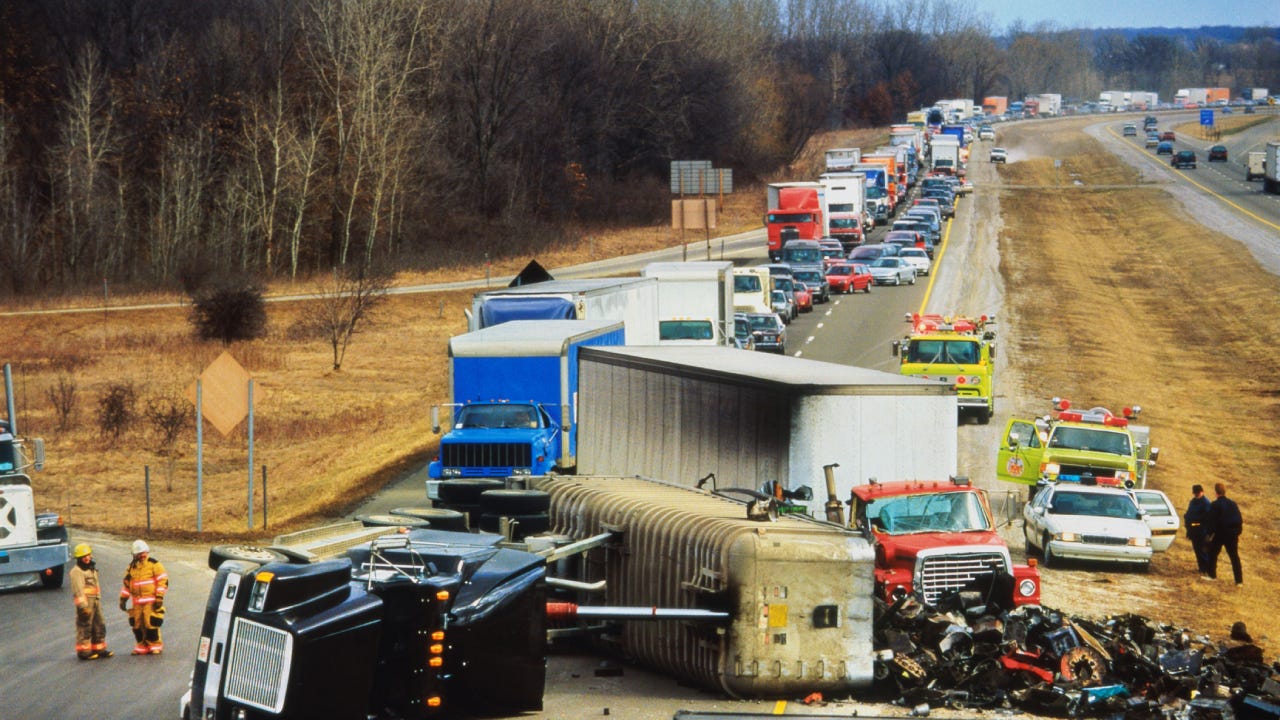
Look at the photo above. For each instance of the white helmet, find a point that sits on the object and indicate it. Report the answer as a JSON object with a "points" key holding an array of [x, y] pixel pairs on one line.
{"points": [[140, 546]]}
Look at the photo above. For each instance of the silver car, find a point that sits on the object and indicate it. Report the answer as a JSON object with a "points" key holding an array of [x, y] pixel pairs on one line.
{"points": [[893, 271]]}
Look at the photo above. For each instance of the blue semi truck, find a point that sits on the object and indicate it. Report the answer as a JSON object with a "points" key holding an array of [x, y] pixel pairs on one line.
{"points": [[515, 388]]}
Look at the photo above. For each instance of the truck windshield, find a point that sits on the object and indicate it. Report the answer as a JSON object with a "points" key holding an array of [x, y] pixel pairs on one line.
{"points": [[938, 512], [497, 416], [875, 192], [1079, 438], [685, 330], [790, 217], [746, 283], [959, 352], [844, 223]]}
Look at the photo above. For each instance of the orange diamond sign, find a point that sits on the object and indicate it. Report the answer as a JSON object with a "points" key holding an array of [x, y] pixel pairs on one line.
{"points": [[225, 389]]}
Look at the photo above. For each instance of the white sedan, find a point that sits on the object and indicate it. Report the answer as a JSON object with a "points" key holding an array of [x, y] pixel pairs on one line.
{"points": [[1067, 520], [892, 271], [918, 258], [1161, 516]]}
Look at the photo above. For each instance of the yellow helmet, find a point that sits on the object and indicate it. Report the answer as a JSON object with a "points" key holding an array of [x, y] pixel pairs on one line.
{"points": [[81, 550]]}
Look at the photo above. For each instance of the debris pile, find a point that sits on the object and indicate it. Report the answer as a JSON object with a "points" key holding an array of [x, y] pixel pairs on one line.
{"points": [[969, 654]]}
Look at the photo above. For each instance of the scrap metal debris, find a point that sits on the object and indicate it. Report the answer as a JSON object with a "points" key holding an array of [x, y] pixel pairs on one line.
{"points": [[968, 653]]}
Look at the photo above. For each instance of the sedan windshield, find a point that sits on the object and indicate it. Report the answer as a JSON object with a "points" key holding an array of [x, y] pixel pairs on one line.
{"points": [[885, 263], [1094, 505]]}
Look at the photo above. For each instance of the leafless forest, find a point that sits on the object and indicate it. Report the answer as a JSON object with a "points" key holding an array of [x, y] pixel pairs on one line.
{"points": [[165, 143]]}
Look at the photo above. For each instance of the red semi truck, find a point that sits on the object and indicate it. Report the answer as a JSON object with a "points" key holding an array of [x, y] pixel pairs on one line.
{"points": [[795, 213]]}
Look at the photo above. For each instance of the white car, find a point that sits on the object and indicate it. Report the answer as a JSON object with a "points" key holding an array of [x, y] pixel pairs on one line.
{"points": [[918, 258], [892, 271], [1068, 520], [1161, 516], [999, 155]]}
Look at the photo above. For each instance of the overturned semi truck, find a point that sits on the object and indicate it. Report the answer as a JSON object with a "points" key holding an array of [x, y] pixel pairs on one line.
{"points": [[714, 586]]}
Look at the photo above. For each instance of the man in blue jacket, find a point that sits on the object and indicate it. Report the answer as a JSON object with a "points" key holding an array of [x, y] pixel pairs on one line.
{"points": [[1224, 528], [1196, 518]]}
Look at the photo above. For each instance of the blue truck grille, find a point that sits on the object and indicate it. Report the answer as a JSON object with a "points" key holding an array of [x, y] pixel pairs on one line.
{"points": [[486, 455], [258, 669]]}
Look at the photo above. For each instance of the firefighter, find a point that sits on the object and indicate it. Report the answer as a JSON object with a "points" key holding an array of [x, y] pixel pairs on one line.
{"points": [[86, 592], [145, 582]]}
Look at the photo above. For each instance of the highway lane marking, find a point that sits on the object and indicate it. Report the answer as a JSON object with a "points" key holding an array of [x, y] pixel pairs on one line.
{"points": [[1186, 177], [942, 251]]}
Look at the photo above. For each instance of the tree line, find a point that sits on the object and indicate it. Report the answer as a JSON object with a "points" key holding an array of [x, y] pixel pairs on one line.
{"points": [[170, 142]]}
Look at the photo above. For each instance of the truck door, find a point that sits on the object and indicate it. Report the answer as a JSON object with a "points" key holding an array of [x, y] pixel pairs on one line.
{"points": [[1020, 453]]}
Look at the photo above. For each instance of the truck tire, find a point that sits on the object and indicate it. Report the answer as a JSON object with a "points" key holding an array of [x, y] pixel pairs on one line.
{"points": [[439, 518], [52, 578], [392, 521], [527, 524], [219, 554], [466, 491], [984, 415], [514, 502]]}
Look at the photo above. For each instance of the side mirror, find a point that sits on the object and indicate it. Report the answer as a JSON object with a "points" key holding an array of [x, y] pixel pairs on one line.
{"points": [[991, 352], [896, 347], [1014, 440]]}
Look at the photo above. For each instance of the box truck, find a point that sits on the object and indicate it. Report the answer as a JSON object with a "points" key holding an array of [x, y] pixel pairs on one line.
{"points": [[846, 217], [795, 213], [630, 300], [695, 302], [842, 159]]}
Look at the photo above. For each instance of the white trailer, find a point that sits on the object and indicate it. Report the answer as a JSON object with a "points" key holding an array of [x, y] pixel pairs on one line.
{"points": [[1050, 104], [682, 414], [631, 300], [695, 302], [842, 159], [846, 197], [1255, 165], [944, 154], [1271, 169]]}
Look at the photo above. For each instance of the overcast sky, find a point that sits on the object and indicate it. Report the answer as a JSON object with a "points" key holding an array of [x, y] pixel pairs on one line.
{"points": [[1132, 13]]}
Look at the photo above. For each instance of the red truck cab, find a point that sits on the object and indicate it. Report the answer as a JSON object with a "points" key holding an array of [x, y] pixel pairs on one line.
{"points": [[797, 216], [935, 536]]}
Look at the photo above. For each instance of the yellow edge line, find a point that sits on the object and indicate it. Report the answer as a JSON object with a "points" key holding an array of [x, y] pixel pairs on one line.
{"points": [[1186, 177], [780, 707], [942, 251]]}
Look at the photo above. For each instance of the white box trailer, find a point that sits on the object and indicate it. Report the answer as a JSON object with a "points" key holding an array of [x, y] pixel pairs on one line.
{"points": [[842, 159], [680, 414], [1271, 169], [631, 300], [1050, 104], [846, 196], [695, 301]]}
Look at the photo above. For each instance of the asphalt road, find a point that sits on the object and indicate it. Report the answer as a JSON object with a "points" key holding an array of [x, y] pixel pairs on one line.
{"points": [[41, 677]]}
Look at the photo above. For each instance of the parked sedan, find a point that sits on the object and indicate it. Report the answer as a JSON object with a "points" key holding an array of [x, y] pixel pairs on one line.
{"points": [[849, 277], [893, 271], [918, 259], [1161, 516], [769, 331], [1218, 153], [1067, 520]]}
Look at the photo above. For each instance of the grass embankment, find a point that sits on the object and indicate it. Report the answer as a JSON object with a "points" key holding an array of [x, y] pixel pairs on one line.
{"points": [[1121, 298], [1224, 126]]}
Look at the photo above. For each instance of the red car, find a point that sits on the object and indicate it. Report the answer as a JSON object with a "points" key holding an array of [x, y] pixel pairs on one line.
{"points": [[804, 298], [849, 277], [1168, 135]]}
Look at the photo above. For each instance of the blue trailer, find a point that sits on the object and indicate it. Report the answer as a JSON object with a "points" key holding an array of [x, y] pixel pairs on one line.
{"points": [[515, 387], [878, 203], [956, 130]]}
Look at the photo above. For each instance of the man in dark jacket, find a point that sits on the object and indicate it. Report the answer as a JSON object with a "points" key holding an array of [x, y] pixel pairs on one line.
{"points": [[1223, 531], [1195, 518]]}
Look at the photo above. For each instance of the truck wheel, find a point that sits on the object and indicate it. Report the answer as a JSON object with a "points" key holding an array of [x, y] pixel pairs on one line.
{"points": [[439, 518], [467, 491], [984, 415], [248, 553], [52, 578], [392, 521], [519, 502]]}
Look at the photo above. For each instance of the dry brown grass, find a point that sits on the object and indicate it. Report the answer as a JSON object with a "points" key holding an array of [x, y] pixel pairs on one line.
{"points": [[1122, 298], [1224, 125]]}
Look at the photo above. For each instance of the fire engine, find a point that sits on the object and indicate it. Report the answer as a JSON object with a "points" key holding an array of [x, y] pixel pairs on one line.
{"points": [[936, 536], [957, 350], [1073, 444]]}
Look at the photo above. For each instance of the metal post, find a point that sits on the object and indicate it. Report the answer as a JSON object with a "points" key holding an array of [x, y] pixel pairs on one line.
{"points": [[250, 526], [264, 497], [146, 483], [199, 455]]}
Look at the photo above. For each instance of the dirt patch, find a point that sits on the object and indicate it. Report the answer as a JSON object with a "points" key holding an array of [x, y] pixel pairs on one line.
{"points": [[1124, 299]]}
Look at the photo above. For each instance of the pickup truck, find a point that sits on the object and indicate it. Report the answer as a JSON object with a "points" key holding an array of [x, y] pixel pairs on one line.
{"points": [[1184, 159]]}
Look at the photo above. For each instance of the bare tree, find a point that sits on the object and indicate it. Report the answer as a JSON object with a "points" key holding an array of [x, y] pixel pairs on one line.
{"points": [[63, 399], [343, 306], [169, 416]]}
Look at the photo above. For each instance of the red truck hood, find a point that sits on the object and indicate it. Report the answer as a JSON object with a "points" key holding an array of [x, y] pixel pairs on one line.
{"points": [[908, 546]]}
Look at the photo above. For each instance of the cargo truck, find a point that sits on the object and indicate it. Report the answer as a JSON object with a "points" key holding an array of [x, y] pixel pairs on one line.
{"points": [[897, 188], [880, 203], [33, 545], [795, 213], [1255, 165], [1050, 104], [847, 218], [1256, 95], [842, 159], [631, 300], [1271, 168], [945, 155], [515, 389], [695, 302], [995, 105], [752, 290]]}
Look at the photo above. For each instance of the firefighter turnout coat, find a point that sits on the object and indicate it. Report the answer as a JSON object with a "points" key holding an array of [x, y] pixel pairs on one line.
{"points": [[145, 583], [91, 628]]}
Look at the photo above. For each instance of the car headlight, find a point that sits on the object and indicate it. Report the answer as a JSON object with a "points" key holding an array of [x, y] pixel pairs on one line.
{"points": [[1067, 537], [1123, 475], [1027, 588], [1139, 542]]}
